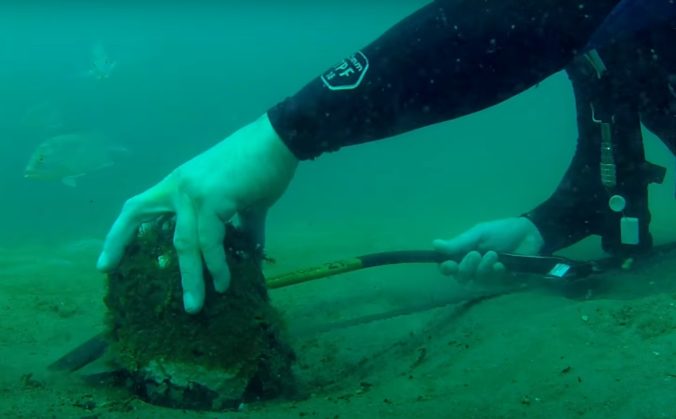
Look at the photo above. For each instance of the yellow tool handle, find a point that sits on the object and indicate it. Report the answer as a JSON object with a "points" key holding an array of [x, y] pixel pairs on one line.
{"points": [[315, 272]]}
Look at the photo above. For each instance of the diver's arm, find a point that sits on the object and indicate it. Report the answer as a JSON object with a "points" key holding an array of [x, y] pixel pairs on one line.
{"points": [[448, 59]]}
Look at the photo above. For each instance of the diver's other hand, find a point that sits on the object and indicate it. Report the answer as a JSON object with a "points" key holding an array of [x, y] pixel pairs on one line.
{"points": [[243, 174], [476, 248]]}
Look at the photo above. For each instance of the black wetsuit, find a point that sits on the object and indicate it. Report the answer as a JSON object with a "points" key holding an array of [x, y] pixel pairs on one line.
{"points": [[638, 86], [449, 59]]}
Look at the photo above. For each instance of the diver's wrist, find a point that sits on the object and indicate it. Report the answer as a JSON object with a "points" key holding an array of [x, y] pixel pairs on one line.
{"points": [[275, 142]]}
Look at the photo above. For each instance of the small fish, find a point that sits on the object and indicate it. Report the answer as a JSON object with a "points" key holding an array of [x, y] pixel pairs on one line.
{"points": [[101, 66], [67, 157]]}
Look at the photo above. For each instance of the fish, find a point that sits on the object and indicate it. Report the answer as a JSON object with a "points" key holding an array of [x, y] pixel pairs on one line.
{"points": [[67, 157], [101, 65]]}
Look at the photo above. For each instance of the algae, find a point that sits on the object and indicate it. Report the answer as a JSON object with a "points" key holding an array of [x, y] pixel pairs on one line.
{"points": [[232, 351]]}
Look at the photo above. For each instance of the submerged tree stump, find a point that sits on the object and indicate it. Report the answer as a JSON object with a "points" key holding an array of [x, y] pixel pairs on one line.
{"points": [[233, 351]]}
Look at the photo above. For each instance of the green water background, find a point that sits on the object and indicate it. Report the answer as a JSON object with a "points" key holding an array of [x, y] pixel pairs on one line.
{"points": [[188, 76]]}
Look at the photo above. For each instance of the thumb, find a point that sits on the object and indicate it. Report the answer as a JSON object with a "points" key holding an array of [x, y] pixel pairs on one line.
{"points": [[459, 245]]}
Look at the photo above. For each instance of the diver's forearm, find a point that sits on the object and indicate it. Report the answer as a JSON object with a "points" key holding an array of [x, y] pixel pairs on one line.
{"points": [[448, 59]]}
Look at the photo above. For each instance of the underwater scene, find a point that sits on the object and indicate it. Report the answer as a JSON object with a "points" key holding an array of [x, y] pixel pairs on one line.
{"points": [[420, 209]]}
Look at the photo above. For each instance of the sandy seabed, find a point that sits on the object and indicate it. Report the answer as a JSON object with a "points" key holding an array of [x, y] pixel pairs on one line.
{"points": [[399, 342]]}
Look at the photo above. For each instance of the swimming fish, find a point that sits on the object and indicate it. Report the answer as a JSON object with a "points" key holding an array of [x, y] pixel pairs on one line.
{"points": [[69, 156], [101, 66]]}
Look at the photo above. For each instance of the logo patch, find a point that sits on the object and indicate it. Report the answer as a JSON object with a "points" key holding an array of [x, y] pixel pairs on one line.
{"points": [[348, 74]]}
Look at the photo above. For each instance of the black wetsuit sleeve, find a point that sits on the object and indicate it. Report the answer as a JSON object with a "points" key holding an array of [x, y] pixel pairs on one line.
{"points": [[658, 109], [449, 59]]}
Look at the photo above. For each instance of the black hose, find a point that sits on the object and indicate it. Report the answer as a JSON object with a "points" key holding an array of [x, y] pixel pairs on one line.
{"points": [[537, 265]]}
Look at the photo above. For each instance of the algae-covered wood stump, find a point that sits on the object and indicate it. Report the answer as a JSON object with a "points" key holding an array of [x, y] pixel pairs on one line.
{"points": [[231, 352]]}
